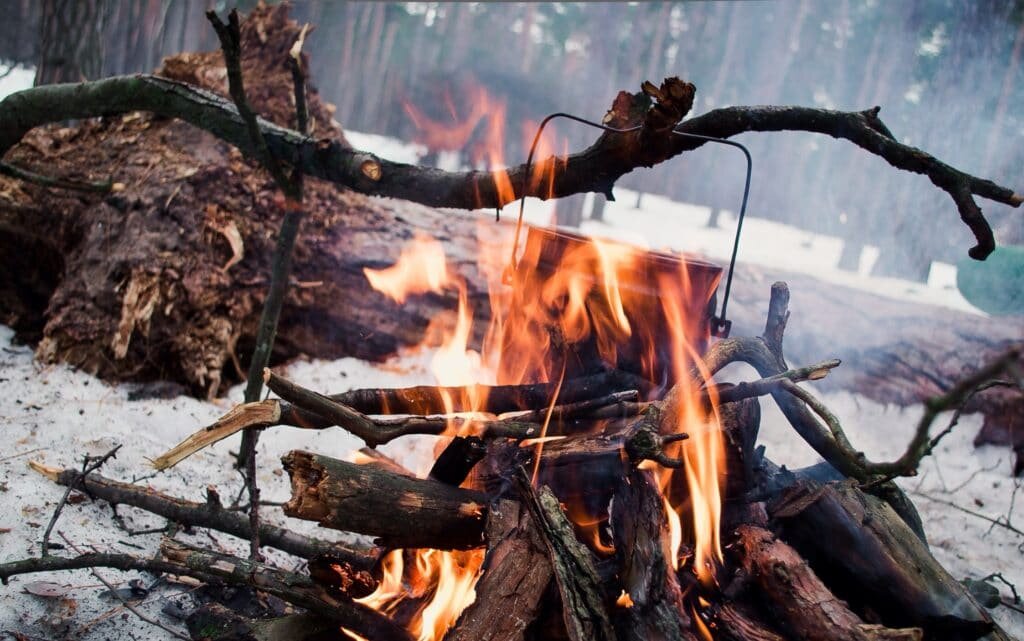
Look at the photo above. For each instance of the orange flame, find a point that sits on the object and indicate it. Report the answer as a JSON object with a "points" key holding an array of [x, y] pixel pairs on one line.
{"points": [[624, 600], [704, 452], [420, 269], [559, 298]]}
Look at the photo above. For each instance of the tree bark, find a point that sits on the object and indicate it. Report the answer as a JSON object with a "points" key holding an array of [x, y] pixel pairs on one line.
{"points": [[645, 564], [516, 575], [870, 558], [800, 603], [70, 41], [403, 512]]}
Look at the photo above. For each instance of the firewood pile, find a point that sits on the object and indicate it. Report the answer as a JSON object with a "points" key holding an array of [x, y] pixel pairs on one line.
{"points": [[570, 509]]}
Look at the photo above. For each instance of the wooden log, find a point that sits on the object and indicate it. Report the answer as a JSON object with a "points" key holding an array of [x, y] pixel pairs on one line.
{"points": [[641, 538], [870, 557], [294, 588], [457, 460], [736, 622], [427, 399], [214, 622], [516, 574], [798, 600], [209, 515], [584, 608], [403, 512]]}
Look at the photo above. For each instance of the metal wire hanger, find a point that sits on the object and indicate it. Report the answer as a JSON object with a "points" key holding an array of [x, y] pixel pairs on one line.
{"points": [[720, 325]]}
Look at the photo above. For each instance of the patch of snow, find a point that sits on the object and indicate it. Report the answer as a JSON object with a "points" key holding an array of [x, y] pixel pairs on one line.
{"points": [[19, 78], [55, 415], [385, 147]]}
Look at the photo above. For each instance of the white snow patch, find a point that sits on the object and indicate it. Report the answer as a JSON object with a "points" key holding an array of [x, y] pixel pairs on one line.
{"points": [[19, 78]]}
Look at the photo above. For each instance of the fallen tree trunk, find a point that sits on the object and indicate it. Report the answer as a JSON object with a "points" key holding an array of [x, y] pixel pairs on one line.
{"points": [[163, 277]]}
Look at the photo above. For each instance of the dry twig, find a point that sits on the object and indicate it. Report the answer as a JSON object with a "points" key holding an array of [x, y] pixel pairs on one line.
{"points": [[89, 464]]}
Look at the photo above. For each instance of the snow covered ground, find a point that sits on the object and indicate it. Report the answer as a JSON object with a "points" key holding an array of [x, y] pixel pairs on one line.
{"points": [[54, 415]]}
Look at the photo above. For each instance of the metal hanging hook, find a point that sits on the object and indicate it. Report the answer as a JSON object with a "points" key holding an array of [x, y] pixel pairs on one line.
{"points": [[720, 325]]}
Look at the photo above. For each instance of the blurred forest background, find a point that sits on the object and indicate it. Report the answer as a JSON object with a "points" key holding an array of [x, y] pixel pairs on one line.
{"points": [[947, 74]]}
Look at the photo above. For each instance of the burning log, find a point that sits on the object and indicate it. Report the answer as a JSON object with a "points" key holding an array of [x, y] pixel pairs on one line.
{"points": [[583, 601], [403, 512], [651, 587], [736, 622], [860, 546], [291, 587], [799, 601], [516, 574]]}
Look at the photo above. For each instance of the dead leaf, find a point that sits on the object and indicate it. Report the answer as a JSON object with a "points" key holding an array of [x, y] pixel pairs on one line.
{"points": [[47, 589], [226, 227]]}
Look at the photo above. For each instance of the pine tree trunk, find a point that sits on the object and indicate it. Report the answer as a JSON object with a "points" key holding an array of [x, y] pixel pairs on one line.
{"points": [[70, 41]]}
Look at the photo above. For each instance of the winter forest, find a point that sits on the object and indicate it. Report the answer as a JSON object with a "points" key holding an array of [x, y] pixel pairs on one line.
{"points": [[332, 320]]}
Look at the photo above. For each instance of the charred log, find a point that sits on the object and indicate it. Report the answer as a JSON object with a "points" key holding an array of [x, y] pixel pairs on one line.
{"points": [[403, 512], [648, 578], [516, 575]]}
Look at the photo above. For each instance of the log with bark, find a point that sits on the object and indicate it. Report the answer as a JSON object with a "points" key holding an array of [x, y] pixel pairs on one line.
{"points": [[403, 512], [800, 603], [884, 568], [516, 573]]}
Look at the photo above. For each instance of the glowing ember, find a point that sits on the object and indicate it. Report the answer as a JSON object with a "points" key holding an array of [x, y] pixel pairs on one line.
{"points": [[624, 600]]}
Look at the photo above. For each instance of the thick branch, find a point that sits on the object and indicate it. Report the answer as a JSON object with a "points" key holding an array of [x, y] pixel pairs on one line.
{"points": [[289, 586], [593, 169]]}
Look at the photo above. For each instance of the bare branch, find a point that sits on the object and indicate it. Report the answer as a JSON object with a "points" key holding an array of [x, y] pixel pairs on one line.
{"points": [[596, 168], [89, 464]]}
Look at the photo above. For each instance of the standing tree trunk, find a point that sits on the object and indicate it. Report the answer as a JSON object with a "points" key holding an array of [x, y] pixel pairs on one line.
{"points": [[70, 41]]}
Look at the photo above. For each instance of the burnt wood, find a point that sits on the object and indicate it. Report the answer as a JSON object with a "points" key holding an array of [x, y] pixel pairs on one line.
{"points": [[516, 574], [641, 538], [403, 512]]}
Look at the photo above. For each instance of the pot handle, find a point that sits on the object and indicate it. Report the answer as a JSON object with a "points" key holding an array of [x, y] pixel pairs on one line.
{"points": [[720, 325]]}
